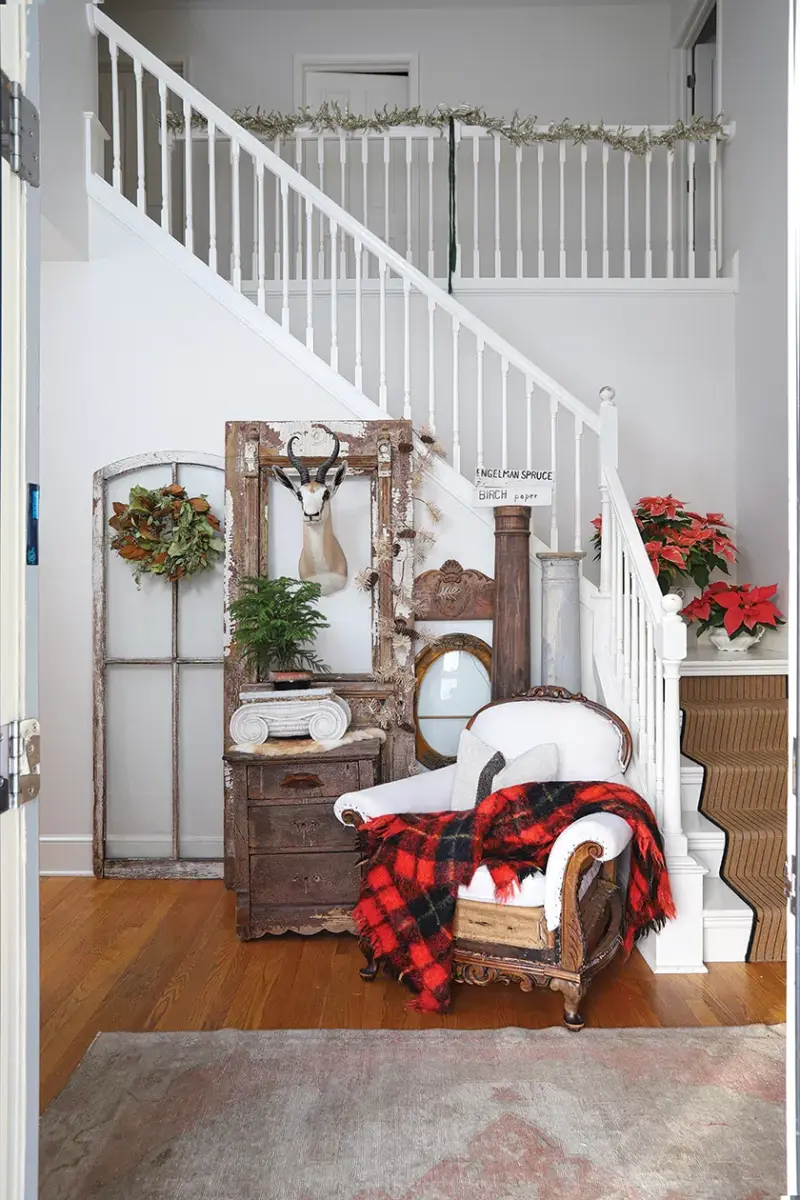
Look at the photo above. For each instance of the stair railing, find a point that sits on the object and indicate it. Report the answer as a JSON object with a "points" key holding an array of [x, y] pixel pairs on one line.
{"points": [[646, 640]]}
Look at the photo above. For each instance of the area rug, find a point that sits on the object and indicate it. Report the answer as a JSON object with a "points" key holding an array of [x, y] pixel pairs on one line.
{"points": [[736, 728], [511, 1114]]}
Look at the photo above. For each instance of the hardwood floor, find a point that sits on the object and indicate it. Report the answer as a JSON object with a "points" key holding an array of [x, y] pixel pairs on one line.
{"points": [[156, 955]]}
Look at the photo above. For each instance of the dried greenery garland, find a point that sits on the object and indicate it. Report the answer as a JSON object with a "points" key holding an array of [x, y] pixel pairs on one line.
{"points": [[166, 532], [330, 117]]}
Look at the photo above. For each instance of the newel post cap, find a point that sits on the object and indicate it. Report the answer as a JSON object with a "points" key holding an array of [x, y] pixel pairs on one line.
{"points": [[607, 394], [673, 630]]}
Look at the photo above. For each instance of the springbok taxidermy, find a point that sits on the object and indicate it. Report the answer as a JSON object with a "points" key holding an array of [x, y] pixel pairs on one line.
{"points": [[322, 560]]}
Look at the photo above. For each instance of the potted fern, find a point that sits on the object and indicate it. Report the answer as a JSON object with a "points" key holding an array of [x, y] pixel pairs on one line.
{"points": [[275, 623]]}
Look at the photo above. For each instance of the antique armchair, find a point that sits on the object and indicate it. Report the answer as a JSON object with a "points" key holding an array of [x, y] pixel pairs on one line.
{"points": [[565, 924]]}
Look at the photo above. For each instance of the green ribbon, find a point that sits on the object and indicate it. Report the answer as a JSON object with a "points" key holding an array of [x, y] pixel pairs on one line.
{"points": [[452, 249]]}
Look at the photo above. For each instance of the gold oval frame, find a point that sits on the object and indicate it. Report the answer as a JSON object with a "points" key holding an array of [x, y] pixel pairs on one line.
{"points": [[476, 646]]}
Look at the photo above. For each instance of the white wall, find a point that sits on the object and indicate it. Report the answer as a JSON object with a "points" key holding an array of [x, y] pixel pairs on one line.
{"points": [[68, 89], [565, 60], [755, 82]]}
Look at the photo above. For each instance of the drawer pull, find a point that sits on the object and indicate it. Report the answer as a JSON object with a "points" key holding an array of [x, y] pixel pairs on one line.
{"points": [[305, 829], [299, 783], [308, 882]]}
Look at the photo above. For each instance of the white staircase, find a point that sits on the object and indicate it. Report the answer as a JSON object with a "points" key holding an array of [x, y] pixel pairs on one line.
{"points": [[386, 340]]}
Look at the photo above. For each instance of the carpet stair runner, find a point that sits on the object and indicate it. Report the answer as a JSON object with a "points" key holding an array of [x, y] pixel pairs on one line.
{"points": [[736, 728]]}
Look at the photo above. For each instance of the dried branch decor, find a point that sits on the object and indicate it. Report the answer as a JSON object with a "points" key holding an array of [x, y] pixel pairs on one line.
{"points": [[330, 117], [166, 532]]}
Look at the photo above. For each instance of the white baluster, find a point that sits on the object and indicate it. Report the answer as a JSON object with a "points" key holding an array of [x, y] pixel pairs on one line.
{"points": [[553, 458], [116, 144], [529, 423], [236, 214], [298, 214], [498, 262], [643, 714], [165, 163], [334, 297], [141, 201], [309, 274], [690, 211], [504, 412], [659, 741], [321, 185], [409, 161], [188, 181], [519, 212], [343, 194], [584, 252], [364, 169], [431, 366], [712, 208], [406, 350], [431, 256], [456, 405], [476, 249], [608, 549], [648, 247], [359, 372], [670, 251], [387, 157], [285, 319], [627, 211], [650, 752], [616, 590], [673, 649], [608, 460], [578, 482], [540, 226], [459, 260], [562, 228], [276, 265], [605, 210], [633, 605], [212, 197], [382, 392], [254, 264], [479, 383], [626, 632], [261, 255]]}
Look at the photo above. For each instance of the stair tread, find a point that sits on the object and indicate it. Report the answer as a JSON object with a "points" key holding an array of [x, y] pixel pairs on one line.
{"points": [[719, 898], [697, 825]]}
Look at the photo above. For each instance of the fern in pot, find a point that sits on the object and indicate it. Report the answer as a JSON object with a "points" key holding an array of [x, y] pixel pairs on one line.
{"points": [[275, 624]]}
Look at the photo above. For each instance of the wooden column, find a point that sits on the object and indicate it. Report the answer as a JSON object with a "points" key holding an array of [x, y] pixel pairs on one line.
{"points": [[511, 639]]}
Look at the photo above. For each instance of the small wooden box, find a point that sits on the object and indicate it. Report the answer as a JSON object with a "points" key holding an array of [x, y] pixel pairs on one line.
{"points": [[295, 867]]}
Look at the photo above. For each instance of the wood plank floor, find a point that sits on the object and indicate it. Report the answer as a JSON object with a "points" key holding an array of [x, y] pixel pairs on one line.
{"points": [[157, 955]]}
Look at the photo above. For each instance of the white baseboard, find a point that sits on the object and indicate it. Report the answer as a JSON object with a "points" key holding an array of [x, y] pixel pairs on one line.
{"points": [[65, 854]]}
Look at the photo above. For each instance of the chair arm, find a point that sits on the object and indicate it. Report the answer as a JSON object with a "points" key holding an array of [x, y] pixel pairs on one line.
{"points": [[607, 829], [428, 792]]}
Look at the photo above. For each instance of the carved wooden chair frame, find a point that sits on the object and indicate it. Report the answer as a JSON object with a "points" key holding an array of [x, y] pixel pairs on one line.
{"points": [[590, 931]]}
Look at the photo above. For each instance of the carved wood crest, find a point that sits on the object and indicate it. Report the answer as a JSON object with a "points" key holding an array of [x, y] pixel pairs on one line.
{"points": [[452, 593]]}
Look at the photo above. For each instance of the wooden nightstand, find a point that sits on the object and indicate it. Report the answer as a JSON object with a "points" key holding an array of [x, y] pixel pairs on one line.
{"points": [[295, 867]]}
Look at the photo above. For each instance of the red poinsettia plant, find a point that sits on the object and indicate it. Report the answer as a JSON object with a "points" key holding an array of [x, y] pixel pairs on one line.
{"points": [[680, 544], [737, 610]]}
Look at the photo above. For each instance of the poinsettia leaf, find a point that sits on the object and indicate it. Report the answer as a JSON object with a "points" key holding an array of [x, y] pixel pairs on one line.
{"points": [[733, 620], [728, 600]]}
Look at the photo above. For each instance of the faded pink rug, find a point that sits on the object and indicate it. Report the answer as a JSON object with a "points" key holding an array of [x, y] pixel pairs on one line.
{"points": [[633, 1114]]}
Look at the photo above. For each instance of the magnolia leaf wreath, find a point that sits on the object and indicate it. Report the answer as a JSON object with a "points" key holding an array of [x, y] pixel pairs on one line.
{"points": [[166, 532]]}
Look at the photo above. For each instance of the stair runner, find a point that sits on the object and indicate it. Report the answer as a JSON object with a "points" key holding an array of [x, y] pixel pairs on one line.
{"points": [[736, 728]]}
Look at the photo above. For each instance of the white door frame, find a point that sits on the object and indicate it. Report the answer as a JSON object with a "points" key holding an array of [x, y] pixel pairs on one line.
{"points": [[19, 911], [379, 63]]}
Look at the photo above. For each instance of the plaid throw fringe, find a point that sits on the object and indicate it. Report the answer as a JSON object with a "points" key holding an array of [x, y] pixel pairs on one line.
{"points": [[416, 862]]}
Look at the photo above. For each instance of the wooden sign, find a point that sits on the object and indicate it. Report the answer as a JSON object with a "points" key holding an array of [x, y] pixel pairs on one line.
{"points": [[495, 486], [453, 594]]}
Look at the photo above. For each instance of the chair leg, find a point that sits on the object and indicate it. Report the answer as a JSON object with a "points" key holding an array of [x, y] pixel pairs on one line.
{"points": [[370, 969], [573, 994]]}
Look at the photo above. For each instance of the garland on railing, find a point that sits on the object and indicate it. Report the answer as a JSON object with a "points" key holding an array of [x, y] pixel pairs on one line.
{"points": [[330, 117]]}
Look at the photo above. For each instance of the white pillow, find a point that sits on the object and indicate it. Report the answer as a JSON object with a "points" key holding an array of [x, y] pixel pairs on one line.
{"points": [[476, 766], [537, 765]]}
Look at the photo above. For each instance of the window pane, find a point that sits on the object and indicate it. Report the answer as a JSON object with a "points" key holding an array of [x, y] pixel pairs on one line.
{"points": [[200, 762], [139, 762]]}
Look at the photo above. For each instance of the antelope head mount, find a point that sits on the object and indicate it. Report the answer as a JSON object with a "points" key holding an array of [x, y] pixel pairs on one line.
{"points": [[322, 560]]}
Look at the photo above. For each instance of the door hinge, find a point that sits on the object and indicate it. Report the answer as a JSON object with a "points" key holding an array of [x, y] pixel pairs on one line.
{"points": [[19, 763], [19, 131], [790, 884], [691, 81]]}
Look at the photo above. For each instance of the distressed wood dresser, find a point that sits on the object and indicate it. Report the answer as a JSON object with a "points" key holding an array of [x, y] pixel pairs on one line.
{"points": [[295, 867]]}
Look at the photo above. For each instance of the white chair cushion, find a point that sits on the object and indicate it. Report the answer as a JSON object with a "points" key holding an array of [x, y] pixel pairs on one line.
{"points": [[481, 888], [589, 745]]}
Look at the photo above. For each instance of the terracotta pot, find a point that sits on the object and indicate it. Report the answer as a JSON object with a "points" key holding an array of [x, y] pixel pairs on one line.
{"points": [[289, 680], [739, 645]]}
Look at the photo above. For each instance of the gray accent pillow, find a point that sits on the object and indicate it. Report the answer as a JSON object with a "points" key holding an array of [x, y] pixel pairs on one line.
{"points": [[476, 766]]}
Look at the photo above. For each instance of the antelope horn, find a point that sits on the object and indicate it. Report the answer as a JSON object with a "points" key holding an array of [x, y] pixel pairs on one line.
{"points": [[296, 462], [323, 468]]}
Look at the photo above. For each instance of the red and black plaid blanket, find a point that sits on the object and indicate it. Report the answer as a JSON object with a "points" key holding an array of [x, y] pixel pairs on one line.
{"points": [[416, 863]]}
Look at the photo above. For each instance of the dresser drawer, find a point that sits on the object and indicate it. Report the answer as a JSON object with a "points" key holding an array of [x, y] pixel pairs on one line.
{"points": [[286, 879], [276, 827], [296, 783]]}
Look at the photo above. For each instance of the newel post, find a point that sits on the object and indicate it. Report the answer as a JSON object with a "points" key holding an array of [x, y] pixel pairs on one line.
{"points": [[608, 458], [511, 640], [672, 650]]}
